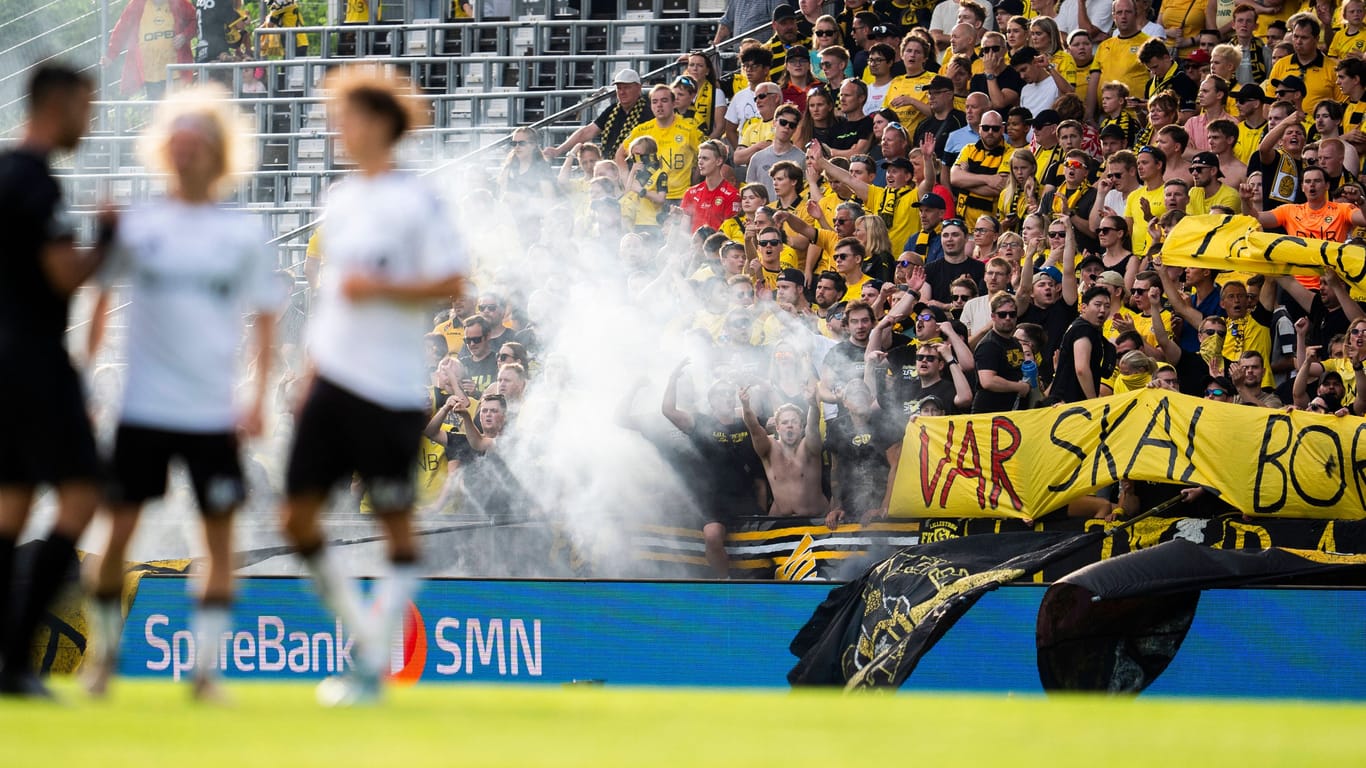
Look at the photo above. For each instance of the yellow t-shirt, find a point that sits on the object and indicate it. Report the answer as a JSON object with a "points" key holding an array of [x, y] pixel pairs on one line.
{"points": [[755, 130], [1320, 79], [917, 88], [1134, 212], [1225, 195], [677, 151], [854, 291], [1117, 59], [156, 33], [1348, 44], [358, 11], [895, 206], [1245, 334]]}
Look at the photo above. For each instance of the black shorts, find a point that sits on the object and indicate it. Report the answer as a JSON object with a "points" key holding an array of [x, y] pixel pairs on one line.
{"points": [[45, 433], [340, 433], [142, 456]]}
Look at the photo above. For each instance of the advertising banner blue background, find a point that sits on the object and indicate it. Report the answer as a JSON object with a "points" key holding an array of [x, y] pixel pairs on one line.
{"points": [[1264, 642]]}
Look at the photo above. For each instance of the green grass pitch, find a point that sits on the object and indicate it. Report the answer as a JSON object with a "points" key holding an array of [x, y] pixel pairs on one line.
{"points": [[146, 723]]}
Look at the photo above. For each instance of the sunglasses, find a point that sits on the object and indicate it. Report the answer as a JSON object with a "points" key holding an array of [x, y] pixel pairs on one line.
{"points": [[898, 127], [764, 95], [843, 256], [1212, 332], [489, 307], [1056, 235], [982, 230], [770, 243], [1113, 175], [904, 264], [991, 49], [520, 143], [1105, 230], [1075, 164], [961, 297], [506, 356], [1007, 314], [1358, 331], [984, 128], [474, 339], [788, 123], [925, 317], [825, 33], [1215, 393], [926, 358]]}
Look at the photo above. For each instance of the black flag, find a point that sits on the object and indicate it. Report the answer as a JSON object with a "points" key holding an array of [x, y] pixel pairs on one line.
{"points": [[1115, 625], [872, 632]]}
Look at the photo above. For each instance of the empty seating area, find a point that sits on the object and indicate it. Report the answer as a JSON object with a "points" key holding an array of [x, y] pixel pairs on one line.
{"points": [[519, 62]]}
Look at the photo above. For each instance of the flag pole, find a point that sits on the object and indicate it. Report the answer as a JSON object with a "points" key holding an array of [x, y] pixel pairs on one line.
{"points": [[1163, 507]]}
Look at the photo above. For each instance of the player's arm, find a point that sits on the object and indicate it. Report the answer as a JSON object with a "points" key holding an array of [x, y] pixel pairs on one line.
{"points": [[361, 287], [67, 267], [97, 324]]}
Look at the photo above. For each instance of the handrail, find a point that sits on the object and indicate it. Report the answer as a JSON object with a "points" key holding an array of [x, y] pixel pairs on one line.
{"points": [[594, 97], [51, 57], [28, 13]]}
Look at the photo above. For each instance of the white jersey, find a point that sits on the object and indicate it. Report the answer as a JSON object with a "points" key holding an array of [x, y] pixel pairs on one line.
{"points": [[393, 227], [195, 271]]}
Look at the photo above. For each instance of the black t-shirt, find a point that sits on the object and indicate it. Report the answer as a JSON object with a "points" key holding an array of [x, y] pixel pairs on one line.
{"points": [[860, 475], [846, 360], [1066, 386], [844, 134], [1324, 323], [727, 454], [904, 390], [940, 274], [33, 315], [940, 130], [1004, 356], [483, 372], [1009, 80], [214, 18], [1191, 370], [1055, 319]]}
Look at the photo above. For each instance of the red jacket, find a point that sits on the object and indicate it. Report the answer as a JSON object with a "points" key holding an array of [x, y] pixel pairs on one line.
{"points": [[124, 38]]}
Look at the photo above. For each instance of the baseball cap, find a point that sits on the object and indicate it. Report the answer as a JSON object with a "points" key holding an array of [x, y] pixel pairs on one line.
{"points": [[1290, 83], [1012, 7], [899, 162], [1252, 92], [1112, 131], [940, 83], [1207, 159], [626, 76], [1198, 56], [1111, 278], [885, 30], [930, 200], [794, 276], [1089, 260], [938, 314], [784, 12], [798, 51], [1046, 118], [1051, 272]]}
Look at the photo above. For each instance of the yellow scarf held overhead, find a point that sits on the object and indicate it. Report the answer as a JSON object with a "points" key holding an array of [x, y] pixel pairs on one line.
{"points": [[1237, 243]]}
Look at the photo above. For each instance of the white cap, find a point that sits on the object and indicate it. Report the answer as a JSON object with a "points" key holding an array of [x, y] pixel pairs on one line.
{"points": [[627, 76]]}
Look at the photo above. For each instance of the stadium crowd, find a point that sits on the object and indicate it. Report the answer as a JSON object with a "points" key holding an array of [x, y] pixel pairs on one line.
{"points": [[900, 211]]}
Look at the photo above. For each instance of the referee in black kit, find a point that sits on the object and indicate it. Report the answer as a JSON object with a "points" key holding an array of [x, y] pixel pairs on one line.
{"points": [[45, 434]]}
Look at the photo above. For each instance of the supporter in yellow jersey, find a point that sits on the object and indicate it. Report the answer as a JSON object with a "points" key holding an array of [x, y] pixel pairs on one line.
{"points": [[1308, 63], [894, 203], [1208, 190], [285, 13], [1351, 39], [908, 95], [1351, 78], [1151, 165], [647, 186], [752, 197], [982, 170], [676, 141], [1117, 57], [1249, 324]]}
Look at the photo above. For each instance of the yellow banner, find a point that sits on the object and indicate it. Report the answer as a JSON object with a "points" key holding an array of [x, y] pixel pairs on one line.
{"points": [[1237, 243], [1025, 464]]}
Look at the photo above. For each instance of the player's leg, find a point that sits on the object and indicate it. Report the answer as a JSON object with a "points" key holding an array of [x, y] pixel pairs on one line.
{"points": [[220, 489], [101, 659], [15, 502], [319, 459]]}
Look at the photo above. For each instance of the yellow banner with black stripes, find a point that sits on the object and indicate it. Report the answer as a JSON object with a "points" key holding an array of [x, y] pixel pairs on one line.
{"points": [[1025, 464], [1237, 243]]}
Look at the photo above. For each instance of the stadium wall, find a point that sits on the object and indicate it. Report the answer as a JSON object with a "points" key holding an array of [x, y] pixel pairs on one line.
{"points": [[1297, 643]]}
